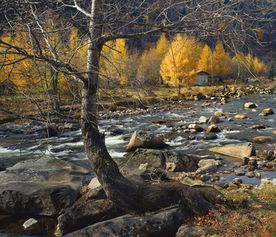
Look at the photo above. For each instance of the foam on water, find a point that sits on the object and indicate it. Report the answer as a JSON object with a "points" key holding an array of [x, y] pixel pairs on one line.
{"points": [[114, 140], [116, 154]]}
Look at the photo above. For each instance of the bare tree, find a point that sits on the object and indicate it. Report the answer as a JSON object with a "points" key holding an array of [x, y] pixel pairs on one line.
{"points": [[104, 20]]}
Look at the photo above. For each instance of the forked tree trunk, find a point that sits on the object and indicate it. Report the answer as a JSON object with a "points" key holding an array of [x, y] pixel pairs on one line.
{"points": [[130, 195]]}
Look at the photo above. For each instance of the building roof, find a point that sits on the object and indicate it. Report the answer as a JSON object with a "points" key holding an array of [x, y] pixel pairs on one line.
{"points": [[202, 72]]}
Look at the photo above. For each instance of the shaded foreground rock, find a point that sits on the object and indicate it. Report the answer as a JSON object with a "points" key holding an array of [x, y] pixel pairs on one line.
{"points": [[239, 150], [161, 159], [91, 208], [164, 223], [44, 186], [141, 139], [192, 231]]}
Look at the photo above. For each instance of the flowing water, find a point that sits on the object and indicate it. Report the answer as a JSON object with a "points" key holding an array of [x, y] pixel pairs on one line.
{"points": [[69, 146]]}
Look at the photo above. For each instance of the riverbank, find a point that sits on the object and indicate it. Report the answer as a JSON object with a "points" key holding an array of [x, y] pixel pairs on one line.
{"points": [[122, 101]]}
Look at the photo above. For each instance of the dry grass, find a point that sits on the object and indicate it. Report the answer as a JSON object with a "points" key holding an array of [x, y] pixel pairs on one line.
{"points": [[253, 214]]}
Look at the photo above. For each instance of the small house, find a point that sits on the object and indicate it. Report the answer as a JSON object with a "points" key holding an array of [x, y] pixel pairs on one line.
{"points": [[202, 78]]}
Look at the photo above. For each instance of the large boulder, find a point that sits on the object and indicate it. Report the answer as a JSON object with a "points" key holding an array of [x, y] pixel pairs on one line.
{"points": [[44, 186], [161, 159], [239, 150], [141, 139], [91, 208], [10, 159], [164, 223]]}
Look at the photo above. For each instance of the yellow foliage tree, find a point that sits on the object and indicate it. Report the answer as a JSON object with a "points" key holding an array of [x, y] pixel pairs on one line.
{"points": [[113, 66], [205, 62], [149, 66], [13, 67], [252, 64], [259, 66], [77, 50], [178, 68], [162, 46], [220, 60]]}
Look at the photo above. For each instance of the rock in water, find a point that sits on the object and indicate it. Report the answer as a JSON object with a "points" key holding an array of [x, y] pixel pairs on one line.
{"points": [[213, 128], [263, 139], [141, 139], [29, 223], [44, 186], [239, 150], [250, 105], [203, 119], [240, 116], [267, 111]]}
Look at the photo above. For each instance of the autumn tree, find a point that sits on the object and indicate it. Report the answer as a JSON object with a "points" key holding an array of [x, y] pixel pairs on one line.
{"points": [[205, 62], [114, 62], [178, 68], [249, 65], [148, 69], [220, 66], [149, 63]]}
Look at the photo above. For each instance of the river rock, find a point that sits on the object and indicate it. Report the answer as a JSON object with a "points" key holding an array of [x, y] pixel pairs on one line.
{"points": [[207, 166], [268, 182], [250, 174], [267, 111], [44, 186], [258, 126], [237, 181], [249, 105], [164, 223], [190, 182], [195, 127], [240, 116], [214, 119], [265, 154], [30, 223], [213, 129], [160, 159], [239, 150], [141, 139], [263, 139], [210, 136], [202, 119], [218, 114], [239, 172], [91, 208], [192, 231]]}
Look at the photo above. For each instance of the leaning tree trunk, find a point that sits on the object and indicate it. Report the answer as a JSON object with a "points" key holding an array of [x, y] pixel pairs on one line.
{"points": [[130, 195]]}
